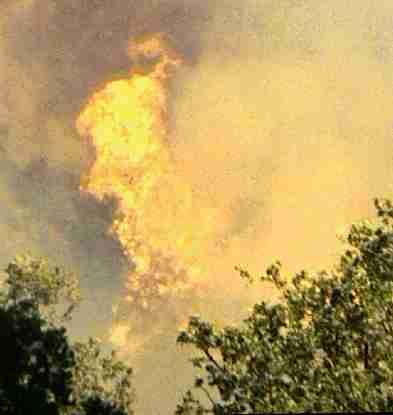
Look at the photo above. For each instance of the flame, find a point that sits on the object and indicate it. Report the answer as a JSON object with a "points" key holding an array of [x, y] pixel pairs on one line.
{"points": [[163, 228]]}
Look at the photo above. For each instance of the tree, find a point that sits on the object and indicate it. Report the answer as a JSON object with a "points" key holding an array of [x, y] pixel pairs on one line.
{"points": [[36, 362], [52, 290], [40, 368], [325, 346], [99, 377]]}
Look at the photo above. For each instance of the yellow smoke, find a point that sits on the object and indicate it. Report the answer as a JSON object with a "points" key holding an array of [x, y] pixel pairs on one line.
{"points": [[163, 228]]}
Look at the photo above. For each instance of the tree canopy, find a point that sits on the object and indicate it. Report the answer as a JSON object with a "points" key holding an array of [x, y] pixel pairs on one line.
{"points": [[325, 346], [41, 370]]}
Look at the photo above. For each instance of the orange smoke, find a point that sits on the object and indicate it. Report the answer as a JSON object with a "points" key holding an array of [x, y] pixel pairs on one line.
{"points": [[163, 228]]}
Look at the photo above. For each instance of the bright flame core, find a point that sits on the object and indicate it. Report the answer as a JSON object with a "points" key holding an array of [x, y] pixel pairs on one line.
{"points": [[163, 228]]}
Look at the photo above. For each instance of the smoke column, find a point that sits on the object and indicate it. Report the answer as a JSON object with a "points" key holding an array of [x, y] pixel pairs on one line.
{"points": [[278, 122]]}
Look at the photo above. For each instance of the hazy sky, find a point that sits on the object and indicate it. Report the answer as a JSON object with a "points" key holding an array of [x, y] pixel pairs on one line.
{"points": [[281, 115]]}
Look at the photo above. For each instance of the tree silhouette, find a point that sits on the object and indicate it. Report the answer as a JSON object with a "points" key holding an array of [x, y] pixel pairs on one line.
{"points": [[41, 370]]}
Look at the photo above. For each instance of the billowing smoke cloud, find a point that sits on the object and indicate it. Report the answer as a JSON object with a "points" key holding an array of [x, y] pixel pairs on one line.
{"points": [[281, 115], [54, 54]]}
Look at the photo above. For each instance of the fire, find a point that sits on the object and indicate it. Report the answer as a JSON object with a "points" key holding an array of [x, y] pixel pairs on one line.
{"points": [[163, 228]]}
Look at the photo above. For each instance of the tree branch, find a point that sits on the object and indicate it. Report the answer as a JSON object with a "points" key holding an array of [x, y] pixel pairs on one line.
{"points": [[208, 396], [211, 358]]}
